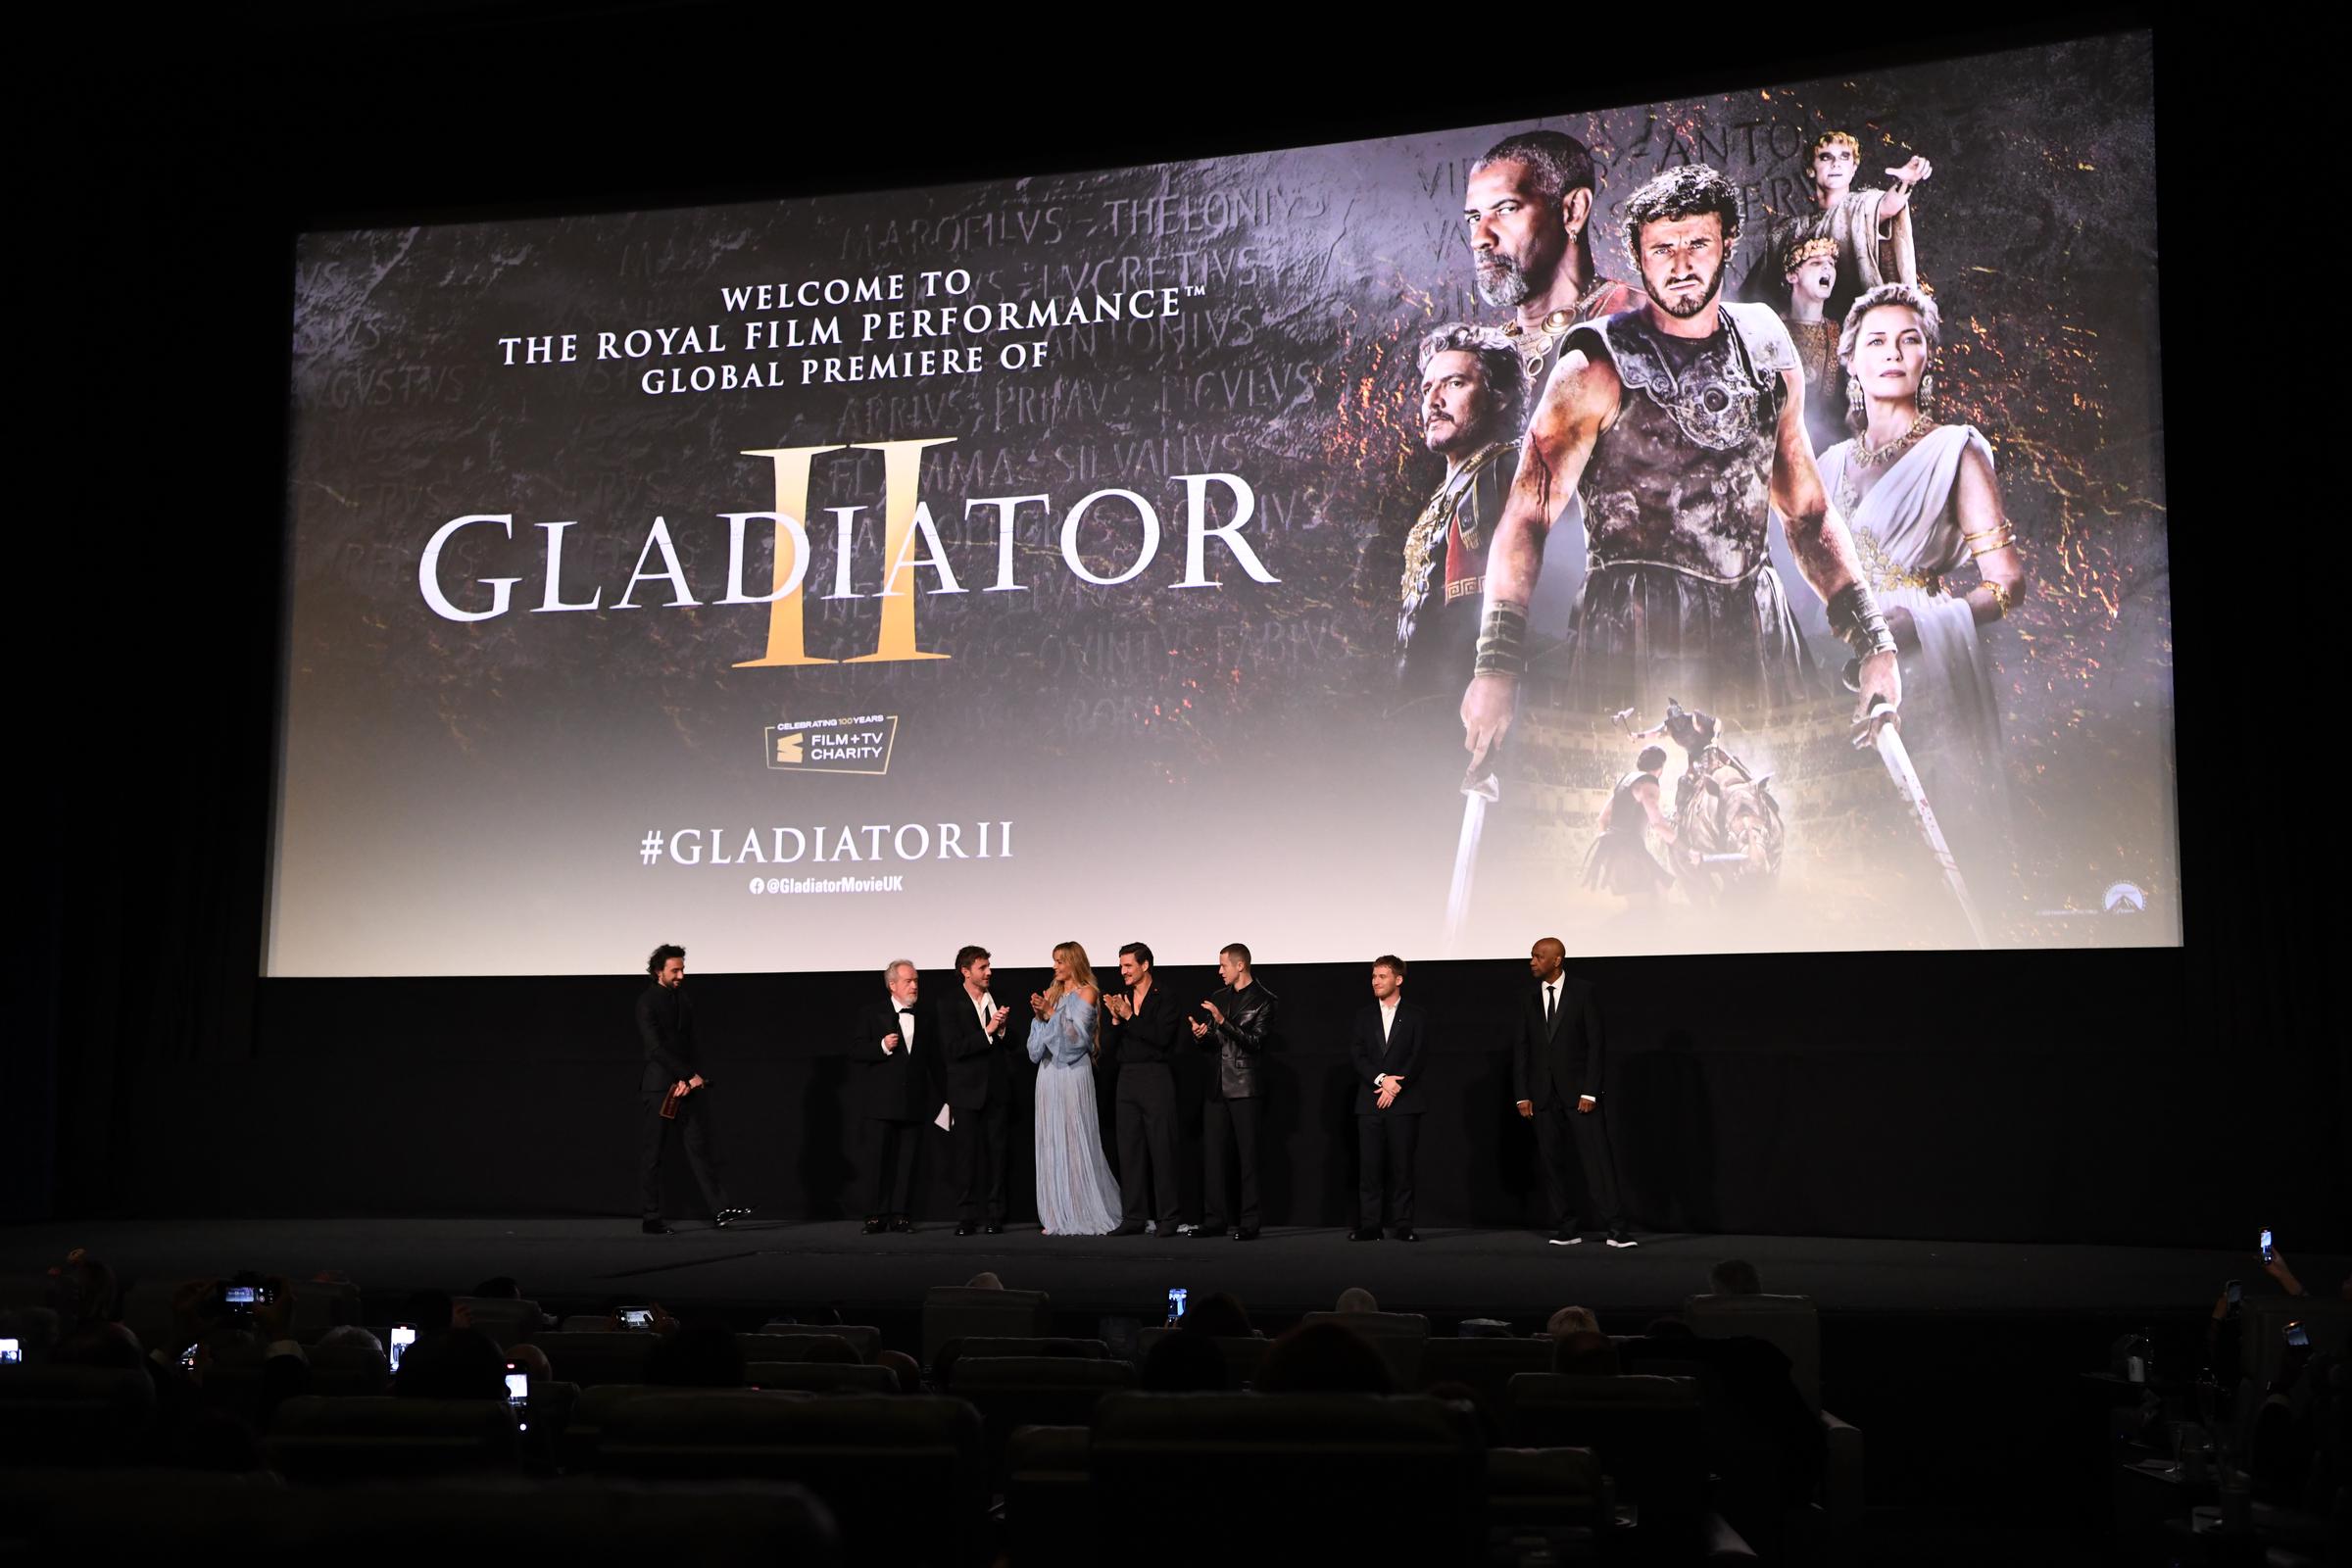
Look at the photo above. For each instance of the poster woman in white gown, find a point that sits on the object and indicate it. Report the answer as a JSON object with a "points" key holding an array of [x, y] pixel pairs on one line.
{"points": [[1921, 501], [1076, 1192]]}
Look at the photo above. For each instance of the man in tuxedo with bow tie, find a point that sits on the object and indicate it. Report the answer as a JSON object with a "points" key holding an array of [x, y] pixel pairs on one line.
{"points": [[1559, 1070], [972, 1031], [898, 1091], [1385, 1049]]}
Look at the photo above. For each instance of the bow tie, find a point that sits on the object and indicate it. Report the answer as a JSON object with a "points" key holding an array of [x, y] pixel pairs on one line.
{"points": [[905, 1012]]}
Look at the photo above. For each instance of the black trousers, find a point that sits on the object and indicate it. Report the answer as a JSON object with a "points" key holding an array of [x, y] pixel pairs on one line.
{"points": [[1146, 1117], [1235, 1123], [702, 1150], [983, 1142], [1386, 1143], [890, 1148], [1564, 1139]]}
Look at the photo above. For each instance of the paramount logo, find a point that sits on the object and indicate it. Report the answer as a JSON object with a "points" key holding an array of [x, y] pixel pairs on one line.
{"points": [[856, 745]]}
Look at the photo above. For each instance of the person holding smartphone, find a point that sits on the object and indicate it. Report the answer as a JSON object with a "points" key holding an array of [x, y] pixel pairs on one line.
{"points": [[665, 1028]]}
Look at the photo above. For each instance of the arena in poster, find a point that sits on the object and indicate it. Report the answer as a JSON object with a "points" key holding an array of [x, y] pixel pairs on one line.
{"points": [[1727, 525]]}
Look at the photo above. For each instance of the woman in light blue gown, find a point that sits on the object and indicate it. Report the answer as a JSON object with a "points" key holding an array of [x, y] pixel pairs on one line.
{"points": [[1076, 1192]]}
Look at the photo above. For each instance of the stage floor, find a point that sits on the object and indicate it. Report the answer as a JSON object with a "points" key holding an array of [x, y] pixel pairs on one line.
{"points": [[577, 1265]]}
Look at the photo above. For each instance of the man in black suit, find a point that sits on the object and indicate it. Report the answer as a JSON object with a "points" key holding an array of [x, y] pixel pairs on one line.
{"points": [[1144, 1020], [665, 1028], [1236, 1024], [898, 1091], [1385, 1049], [979, 1093], [1559, 1070]]}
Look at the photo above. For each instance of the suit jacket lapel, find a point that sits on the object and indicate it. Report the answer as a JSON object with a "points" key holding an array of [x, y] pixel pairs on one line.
{"points": [[1559, 1008]]}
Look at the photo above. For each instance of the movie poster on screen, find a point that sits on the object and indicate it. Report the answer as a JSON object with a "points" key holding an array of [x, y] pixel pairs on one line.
{"points": [[1115, 555]]}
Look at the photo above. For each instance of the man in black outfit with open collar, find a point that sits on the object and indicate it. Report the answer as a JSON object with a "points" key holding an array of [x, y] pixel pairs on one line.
{"points": [[665, 1028], [898, 1091], [1237, 1024], [1559, 1070], [1143, 1020], [1385, 1049], [972, 1031]]}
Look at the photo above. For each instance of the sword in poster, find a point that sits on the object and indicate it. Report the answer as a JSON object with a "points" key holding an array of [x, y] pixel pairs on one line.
{"points": [[1887, 741], [1479, 790]]}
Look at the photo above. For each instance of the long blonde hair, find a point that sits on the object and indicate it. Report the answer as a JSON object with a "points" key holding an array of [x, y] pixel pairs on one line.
{"points": [[1082, 975]]}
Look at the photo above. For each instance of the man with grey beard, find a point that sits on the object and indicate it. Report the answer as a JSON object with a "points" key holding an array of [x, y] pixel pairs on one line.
{"points": [[1528, 206]]}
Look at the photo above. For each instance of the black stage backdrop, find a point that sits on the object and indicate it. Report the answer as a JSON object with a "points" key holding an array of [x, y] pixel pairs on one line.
{"points": [[2144, 1095]]}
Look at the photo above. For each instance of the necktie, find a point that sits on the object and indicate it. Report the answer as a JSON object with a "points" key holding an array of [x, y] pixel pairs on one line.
{"points": [[1550, 998], [908, 1013]]}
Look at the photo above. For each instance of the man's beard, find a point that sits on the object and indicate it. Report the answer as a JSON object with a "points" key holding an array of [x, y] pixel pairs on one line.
{"points": [[1500, 281], [1685, 310]]}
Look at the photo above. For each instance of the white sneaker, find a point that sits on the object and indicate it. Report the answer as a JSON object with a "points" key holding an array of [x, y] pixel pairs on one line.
{"points": [[1568, 1241], [1623, 1241]]}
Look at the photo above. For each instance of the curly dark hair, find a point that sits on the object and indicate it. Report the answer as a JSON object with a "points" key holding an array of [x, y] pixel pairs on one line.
{"points": [[661, 955], [1690, 191], [1558, 161]]}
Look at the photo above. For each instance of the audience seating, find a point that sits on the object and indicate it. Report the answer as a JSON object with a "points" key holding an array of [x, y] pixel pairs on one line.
{"points": [[1049, 1500], [590, 1359], [1547, 1489], [1180, 1477], [502, 1320], [821, 1377], [2263, 1319], [341, 1370], [1015, 1390], [184, 1515], [960, 1311], [576, 1444], [1244, 1353], [1485, 1365], [812, 1346], [1645, 1432], [362, 1438], [1399, 1337], [1792, 1324], [864, 1337], [988, 1344], [73, 1414], [905, 1477]]}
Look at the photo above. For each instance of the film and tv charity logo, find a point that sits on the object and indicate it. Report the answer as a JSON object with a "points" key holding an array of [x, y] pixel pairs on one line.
{"points": [[856, 745]]}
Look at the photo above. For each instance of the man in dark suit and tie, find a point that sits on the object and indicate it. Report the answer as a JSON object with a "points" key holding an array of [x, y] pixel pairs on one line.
{"points": [[666, 1029], [897, 1093], [1386, 1050], [1559, 1070], [979, 1093]]}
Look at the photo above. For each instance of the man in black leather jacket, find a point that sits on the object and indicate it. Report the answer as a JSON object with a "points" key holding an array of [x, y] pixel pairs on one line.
{"points": [[1237, 1023]]}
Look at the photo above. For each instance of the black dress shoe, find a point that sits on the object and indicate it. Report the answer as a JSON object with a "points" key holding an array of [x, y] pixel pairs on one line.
{"points": [[964, 1227], [994, 1227], [1248, 1233], [654, 1227], [1134, 1229], [1405, 1232], [874, 1226], [1203, 1233], [1359, 1233], [903, 1225]]}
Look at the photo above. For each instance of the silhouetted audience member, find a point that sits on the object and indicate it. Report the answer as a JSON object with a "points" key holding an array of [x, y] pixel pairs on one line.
{"points": [[1184, 1363], [498, 1288], [1323, 1358], [1489, 1430], [352, 1334], [34, 1328], [701, 1354], [905, 1368], [1572, 1320], [531, 1360], [433, 1313], [459, 1364], [1734, 1276], [985, 1280], [1355, 1298], [1587, 1353], [1221, 1316]]}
